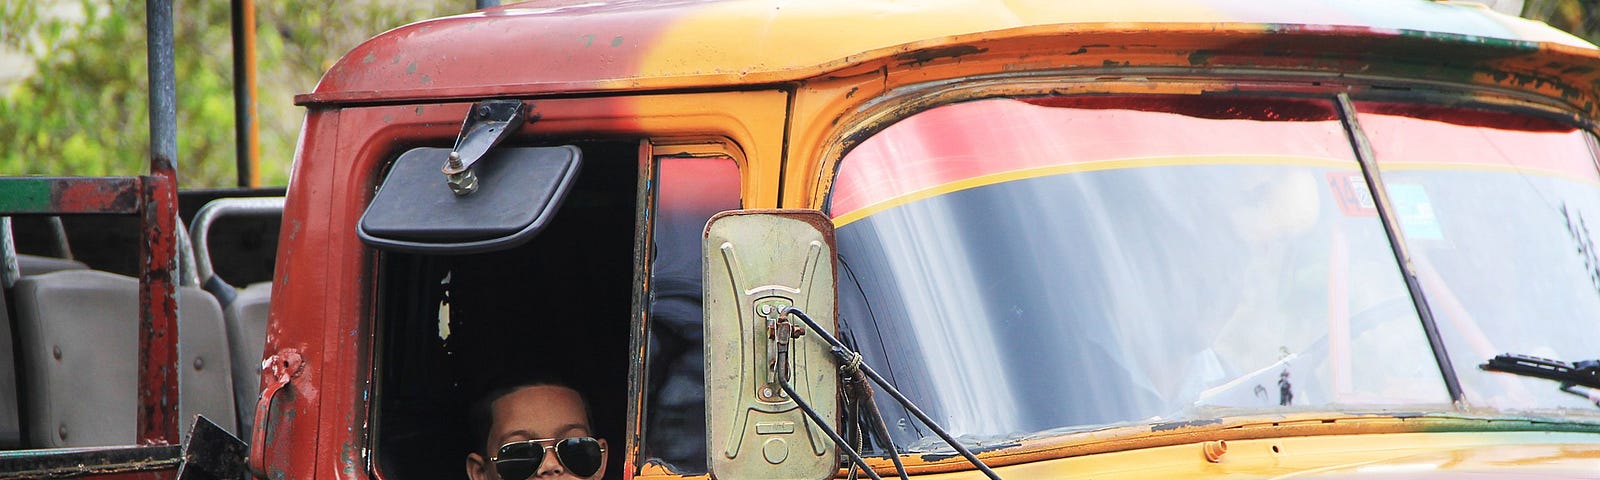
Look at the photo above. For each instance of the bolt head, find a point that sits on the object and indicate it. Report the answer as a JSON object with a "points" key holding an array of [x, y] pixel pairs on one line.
{"points": [[56, 352], [463, 183], [199, 363]]}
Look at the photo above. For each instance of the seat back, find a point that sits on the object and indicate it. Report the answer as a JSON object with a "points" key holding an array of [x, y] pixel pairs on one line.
{"points": [[10, 425], [79, 358], [246, 321]]}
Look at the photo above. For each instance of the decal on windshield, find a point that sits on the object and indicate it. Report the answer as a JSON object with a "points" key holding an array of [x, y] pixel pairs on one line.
{"points": [[1415, 212], [1350, 191]]}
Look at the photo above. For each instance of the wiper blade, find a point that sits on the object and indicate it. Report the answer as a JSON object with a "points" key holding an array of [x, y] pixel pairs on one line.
{"points": [[1585, 373]]}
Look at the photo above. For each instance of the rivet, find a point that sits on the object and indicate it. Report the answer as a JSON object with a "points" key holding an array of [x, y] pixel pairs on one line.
{"points": [[199, 363], [56, 351], [62, 431], [1214, 449]]}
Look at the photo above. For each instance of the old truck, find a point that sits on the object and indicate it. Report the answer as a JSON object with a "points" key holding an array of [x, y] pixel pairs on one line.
{"points": [[958, 239]]}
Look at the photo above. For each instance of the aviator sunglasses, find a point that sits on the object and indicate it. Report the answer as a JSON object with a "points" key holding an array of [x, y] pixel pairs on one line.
{"points": [[580, 456]]}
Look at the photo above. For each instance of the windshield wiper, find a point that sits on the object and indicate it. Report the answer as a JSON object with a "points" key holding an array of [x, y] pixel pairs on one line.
{"points": [[1584, 373], [851, 363]]}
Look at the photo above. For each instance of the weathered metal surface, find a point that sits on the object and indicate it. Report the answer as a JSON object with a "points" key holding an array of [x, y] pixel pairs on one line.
{"points": [[69, 195], [757, 264], [158, 300], [586, 47], [99, 462], [212, 453], [158, 314], [280, 369]]}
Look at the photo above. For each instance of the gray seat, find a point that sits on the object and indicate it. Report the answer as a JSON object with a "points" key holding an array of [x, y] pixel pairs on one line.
{"points": [[10, 425], [79, 358], [246, 321], [37, 265]]}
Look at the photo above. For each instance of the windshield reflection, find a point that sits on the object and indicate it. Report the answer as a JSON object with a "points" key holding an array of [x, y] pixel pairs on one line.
{"points": [[1497, 209], [1022, 266]]}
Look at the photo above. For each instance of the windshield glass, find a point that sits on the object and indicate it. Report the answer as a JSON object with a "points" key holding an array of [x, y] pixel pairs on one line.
{"points": [[1017, 266], [1496, 209]]}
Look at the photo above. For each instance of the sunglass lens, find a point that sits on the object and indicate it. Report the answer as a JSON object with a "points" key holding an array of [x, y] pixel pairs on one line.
{"points": [[516, 469], [518, 461], [581, 455]]}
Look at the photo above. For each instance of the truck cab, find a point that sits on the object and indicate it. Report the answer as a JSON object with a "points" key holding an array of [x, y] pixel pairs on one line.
{"points": [[1154, 238]]}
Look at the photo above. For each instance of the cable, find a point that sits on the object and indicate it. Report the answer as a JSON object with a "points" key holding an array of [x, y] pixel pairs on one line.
{"points": [[849, 357]]}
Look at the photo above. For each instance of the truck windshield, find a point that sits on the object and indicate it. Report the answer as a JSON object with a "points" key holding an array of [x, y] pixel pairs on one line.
{"points": [[1026, 266], [1496, 209]]}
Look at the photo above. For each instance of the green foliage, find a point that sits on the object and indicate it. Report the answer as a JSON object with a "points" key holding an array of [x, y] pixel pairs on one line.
{"points": [[84, 110], [1579, 17]]}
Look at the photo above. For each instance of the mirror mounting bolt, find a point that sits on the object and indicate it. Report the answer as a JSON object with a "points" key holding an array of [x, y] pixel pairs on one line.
{"points": [[462, 182]]}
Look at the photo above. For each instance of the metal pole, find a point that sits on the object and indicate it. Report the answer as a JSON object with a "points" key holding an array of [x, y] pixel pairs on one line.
{"points": [[482, 4], [247, 143], [158, 305]]}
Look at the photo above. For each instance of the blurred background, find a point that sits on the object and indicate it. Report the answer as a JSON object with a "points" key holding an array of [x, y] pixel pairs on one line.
{"points": [[72, 77]]}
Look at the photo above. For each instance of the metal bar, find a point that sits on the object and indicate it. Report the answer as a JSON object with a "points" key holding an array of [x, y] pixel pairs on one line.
{"points": [[158, 303], [837, 440], [894, 392], [247, 142], [10, 271], [1375, 185], [482, 4], [69, 195], [127, 462]]}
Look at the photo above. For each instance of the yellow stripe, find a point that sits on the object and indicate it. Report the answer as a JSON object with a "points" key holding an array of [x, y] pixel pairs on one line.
{"points": [[1475, 167], [1145, 162]]}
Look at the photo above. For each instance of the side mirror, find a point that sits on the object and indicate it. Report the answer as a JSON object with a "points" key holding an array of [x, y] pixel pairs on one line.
{"points": [[756, 263], [518, 191]]}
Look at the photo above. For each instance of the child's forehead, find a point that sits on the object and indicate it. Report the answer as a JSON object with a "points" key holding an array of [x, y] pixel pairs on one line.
{"points": [[550, 410]]}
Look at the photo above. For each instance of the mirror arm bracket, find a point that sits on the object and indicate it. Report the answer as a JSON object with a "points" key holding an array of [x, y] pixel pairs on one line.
{"points": [[487, 124]]}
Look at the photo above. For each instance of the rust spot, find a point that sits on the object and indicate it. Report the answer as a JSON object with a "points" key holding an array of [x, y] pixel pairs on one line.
{"points": [[119, 196], [921, 57]]}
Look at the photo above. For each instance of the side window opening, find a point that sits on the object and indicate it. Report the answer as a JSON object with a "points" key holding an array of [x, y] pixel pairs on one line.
{"points": [[689, 190], [450, 327]]}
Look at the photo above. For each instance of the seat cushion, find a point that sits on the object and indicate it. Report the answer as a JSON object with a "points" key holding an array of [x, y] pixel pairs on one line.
{"points": [[79, 358]]}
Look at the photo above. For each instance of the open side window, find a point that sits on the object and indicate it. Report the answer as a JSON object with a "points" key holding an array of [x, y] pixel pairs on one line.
{"points": [[451, 325], [689, 190]]}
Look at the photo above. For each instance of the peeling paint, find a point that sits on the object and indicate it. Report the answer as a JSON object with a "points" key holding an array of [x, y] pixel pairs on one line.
{"points": [[922, 57]]}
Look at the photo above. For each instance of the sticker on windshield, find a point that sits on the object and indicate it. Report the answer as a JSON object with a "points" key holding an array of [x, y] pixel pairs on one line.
{"points": [[1350, 190], [1415, 211]]}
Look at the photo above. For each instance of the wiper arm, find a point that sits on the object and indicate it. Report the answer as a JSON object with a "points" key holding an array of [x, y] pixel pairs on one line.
{"points": [[1585, 373], [852, 361]]}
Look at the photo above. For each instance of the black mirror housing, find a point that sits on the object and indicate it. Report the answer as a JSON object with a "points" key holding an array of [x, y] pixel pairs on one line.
{"points": [[519, 191]]}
